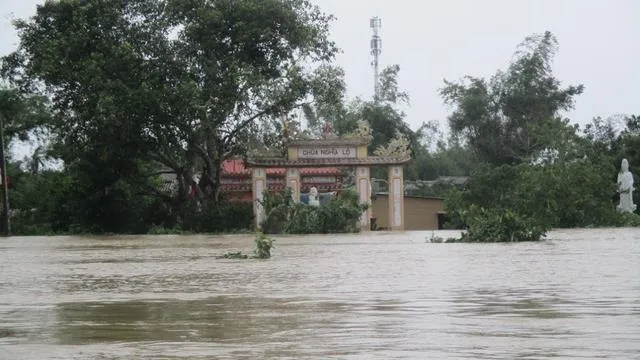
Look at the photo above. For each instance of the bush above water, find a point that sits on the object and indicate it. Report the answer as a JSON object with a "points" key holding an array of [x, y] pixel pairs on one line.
{"points": [[521, 202], [500, 226], [339, 215], [263, 246]]}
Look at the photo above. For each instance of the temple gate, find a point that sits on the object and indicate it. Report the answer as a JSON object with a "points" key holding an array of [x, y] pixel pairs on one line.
{"points": [[349, 151]]}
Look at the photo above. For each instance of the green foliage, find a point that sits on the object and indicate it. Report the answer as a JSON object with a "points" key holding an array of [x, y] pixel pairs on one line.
{"points": [[215, 217], [180, 83], [614, 138], [515, 115], [384, 114], [575, 191], [304, 219], [52, 202], [447, 160], [39, 202], [133, 86], [22, 114], [339, 215], [628, 220], [500, 226], [161, 230], [386, 120], [277, 208], [575, 194], [263, 246]]}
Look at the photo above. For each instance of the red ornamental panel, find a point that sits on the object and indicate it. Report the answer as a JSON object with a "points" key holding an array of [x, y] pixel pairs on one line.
{"points": [[236, 187], [276, 187], [319, 180], [325, 187]]}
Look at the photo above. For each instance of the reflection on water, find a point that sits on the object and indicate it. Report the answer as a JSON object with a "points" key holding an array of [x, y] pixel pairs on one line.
{"points": [[368, 296]]}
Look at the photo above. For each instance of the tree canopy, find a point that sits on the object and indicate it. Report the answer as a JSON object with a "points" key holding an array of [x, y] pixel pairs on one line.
{"points": [[179, 82], [516, 114], [128, 90]]}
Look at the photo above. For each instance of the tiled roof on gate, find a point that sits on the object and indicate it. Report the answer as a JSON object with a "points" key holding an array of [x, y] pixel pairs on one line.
{"points": [[370, 161], [329, 142], [320, 171], [235, 167]]}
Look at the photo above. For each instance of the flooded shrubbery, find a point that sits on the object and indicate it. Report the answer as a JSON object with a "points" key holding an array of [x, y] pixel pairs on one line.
{"points": [[263, 245], [339, 215], [521, 202], [499, 226]]}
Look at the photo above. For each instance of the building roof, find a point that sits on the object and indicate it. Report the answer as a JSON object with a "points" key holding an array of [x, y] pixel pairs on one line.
{"points": [[355, 141], [371, 160], [236, 167]]}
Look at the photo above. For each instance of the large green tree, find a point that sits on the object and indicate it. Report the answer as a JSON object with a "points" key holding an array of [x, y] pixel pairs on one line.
{"points": [[432, 156], [22, 116], [180, 82], [384, 115], [516, 115]]}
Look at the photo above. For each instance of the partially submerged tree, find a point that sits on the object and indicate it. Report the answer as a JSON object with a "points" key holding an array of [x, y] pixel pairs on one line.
{"points": [[179, 82], [20, 116], [515, 115]]}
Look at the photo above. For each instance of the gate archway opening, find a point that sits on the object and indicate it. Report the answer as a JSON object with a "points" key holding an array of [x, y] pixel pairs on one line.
{"points": [[338, 152]]}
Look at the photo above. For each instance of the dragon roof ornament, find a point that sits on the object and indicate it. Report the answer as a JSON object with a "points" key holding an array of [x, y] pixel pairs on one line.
{"points": [[363, 131], [399, 146]]}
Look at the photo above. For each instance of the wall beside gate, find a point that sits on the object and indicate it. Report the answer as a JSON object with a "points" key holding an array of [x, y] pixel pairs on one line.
{"points": [[420, 213]]}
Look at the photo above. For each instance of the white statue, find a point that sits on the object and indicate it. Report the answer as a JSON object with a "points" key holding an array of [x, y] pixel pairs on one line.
{"points": [[313, 197], [625, 188]]}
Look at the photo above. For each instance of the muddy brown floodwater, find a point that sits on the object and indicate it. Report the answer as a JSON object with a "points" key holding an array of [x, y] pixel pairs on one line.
{"points": [[366, 296]]}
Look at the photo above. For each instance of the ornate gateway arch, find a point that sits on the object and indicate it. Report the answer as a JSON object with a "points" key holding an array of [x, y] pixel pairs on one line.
{"points": [[350, 151]]}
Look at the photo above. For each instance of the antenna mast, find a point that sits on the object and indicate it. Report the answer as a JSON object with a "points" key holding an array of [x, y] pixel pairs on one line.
{"points": [[376, 49]]}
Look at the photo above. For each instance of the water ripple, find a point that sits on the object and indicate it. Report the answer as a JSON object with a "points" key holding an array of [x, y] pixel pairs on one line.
{"points": [[368, 296]]}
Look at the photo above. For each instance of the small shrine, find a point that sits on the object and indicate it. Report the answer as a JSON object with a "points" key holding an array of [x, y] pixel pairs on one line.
{"points": [[339, 152]]}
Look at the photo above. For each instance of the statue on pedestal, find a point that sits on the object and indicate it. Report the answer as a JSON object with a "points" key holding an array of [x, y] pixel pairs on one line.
{"points": [[313, 197], [625, 188]]}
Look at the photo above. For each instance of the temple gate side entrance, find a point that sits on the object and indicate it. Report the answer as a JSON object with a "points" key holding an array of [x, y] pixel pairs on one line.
{"points": [[341, 152]]}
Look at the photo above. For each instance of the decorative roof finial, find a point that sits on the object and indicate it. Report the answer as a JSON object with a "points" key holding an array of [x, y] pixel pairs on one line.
{"points": [[399, 147], [362, 131]]}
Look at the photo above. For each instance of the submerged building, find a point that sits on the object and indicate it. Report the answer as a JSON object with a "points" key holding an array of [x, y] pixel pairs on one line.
{"points": [[236, 181], [421, 213]]}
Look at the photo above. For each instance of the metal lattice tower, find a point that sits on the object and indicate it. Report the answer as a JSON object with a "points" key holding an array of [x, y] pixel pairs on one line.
{"points": [[376, 49]]}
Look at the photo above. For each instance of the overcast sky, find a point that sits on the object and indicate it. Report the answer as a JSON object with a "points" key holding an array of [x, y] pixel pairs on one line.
{"points": [[433, 40]]}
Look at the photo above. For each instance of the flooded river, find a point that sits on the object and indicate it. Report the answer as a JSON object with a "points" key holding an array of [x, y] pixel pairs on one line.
{"points": [[367, 296]]}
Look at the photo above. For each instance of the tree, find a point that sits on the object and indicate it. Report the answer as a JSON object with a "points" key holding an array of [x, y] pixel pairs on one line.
{"points": [[615, 138], [575, 194], [384, 116], [20, 115], [178, 82], [515, 115], [24, 114]]}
